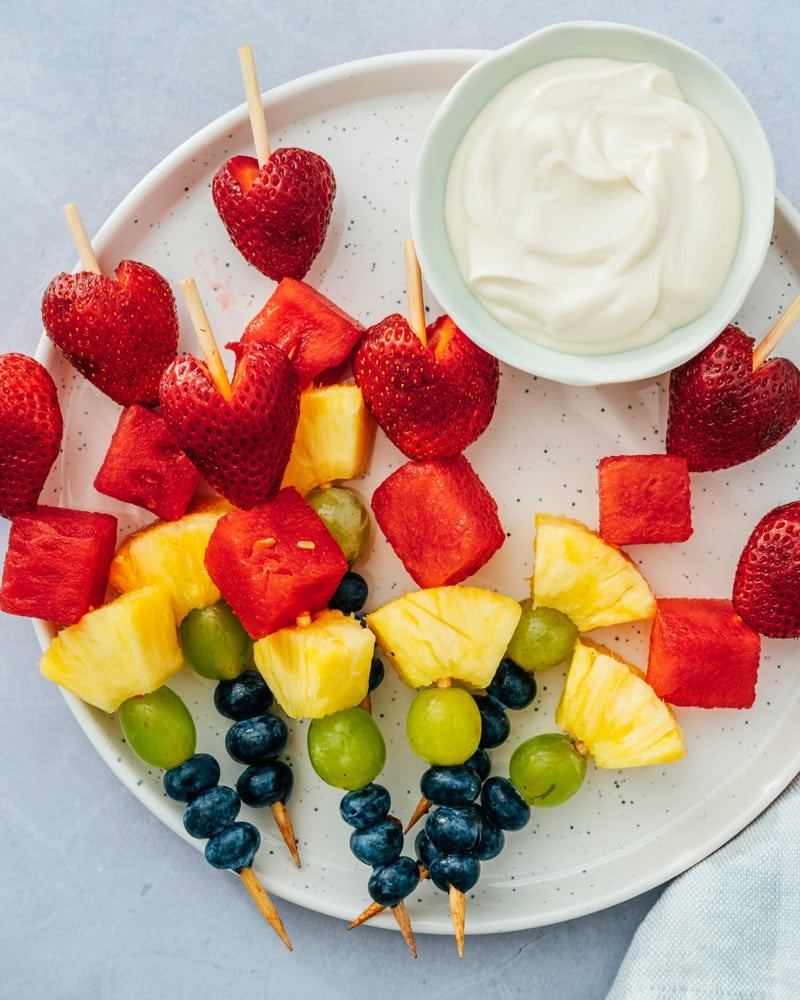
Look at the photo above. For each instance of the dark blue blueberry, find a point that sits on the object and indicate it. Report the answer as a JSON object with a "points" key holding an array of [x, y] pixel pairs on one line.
{"points": [[495, 725], [503, 804], [379, 843], [194, 776], [491, 841], [365, 806], [351, 594], [234, 847], [454, 829], [243, 697], [265, 784], [425, 849], [376, 672], [512, 686], [461, 871], [211, 811], [481, 763], [391, 883], [252, 741], [456, 785]]}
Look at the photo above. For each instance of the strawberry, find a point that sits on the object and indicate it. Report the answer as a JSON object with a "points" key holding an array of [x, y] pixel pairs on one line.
{"points": [[433, 399], [766, 585], [277, 216], [241, 445], [31, 426], [721, 412], [119, 332]]}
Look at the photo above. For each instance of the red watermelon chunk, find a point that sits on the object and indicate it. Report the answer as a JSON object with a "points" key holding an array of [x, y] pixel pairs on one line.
{"points": [[439, 518], [317, 335], [144, 466], [275, 562], [644, 499], [702, 654], [56, 565]]}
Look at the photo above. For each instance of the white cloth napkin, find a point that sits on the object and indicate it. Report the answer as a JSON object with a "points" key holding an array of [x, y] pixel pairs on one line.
{"points": [[730, 926]]}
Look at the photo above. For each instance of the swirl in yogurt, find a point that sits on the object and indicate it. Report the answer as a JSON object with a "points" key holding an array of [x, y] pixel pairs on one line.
{"points": [[591, 208]]}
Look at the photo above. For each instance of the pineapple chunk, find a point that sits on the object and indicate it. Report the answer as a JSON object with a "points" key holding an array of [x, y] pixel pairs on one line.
{"points": [[333, 440], [609, 706], [171, 553], [590, 581], [452, 631], [124, 648], [319, 668]]}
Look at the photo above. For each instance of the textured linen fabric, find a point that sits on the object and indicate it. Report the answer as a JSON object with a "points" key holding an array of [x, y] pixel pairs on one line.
{"points": [[730, 926]]}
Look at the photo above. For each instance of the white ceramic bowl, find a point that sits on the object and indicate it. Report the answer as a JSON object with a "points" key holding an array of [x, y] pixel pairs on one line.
{"points": [[703, 85]]}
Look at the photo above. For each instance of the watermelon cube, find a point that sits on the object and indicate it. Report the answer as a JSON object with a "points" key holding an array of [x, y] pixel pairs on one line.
{"points": [[644, 499], [317, 335], [439, 518], [144, 466], [56, 565], [702, 654], [274, 563]]}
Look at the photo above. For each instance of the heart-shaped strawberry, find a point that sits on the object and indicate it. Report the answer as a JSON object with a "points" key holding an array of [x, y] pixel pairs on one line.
{"points": [[119, 332], [241, 444], [31, 426], [277, 215], [432, 400], [766, 585], [721, 412]]}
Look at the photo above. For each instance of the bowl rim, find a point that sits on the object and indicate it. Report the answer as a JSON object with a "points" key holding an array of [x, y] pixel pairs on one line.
{"points": [[753, 158]]}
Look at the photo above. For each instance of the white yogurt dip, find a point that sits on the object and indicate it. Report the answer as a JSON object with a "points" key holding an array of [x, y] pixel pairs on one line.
{"points": [[591, 208]]}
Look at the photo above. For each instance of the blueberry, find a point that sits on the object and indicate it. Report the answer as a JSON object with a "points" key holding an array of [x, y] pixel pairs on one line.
{"points": [[425, 849], [512, 686], [243, 697], [376, 673], [251, 741], [379, 843], [211, 811], [265, 784], [454, 829], [454, 785], [234, 847], [365, 806], [194, 776], [503, 804], [495, 725], [461, 871], [391, 883], [351, 594], [481, 763], [491, 841]]}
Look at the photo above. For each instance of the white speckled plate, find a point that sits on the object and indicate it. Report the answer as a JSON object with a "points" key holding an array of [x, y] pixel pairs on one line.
{"points": [[625, 831]]}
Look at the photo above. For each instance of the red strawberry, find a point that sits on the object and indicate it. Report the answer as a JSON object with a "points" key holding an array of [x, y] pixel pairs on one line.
{"points": [[120, 332], [431, 400], [241, 445], [766, 586], [721, 412], [30, 431], [277, 216]]}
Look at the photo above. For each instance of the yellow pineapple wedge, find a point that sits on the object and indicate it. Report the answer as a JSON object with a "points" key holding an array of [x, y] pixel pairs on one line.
{"points": [[333, 440], [446, 632], [578, 573], [171, 554], [318, 668], [609, 707], [124, 648]]}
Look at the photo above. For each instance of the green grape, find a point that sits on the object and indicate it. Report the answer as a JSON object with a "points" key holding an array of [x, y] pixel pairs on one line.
{"points": [[346, 518], [443, 725], [214, 642], [547, 769], [346, 749], [543, 638], [158, 728]]}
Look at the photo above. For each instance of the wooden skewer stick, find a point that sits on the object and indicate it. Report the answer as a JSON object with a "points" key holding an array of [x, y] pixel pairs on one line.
{"points": [[258, 121], [265, 904], [458, 912], [375, 908], [202, 329], [423, 808], [400, 914], [284, 824], [416, 302], [81, 239], [781, 326]]}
